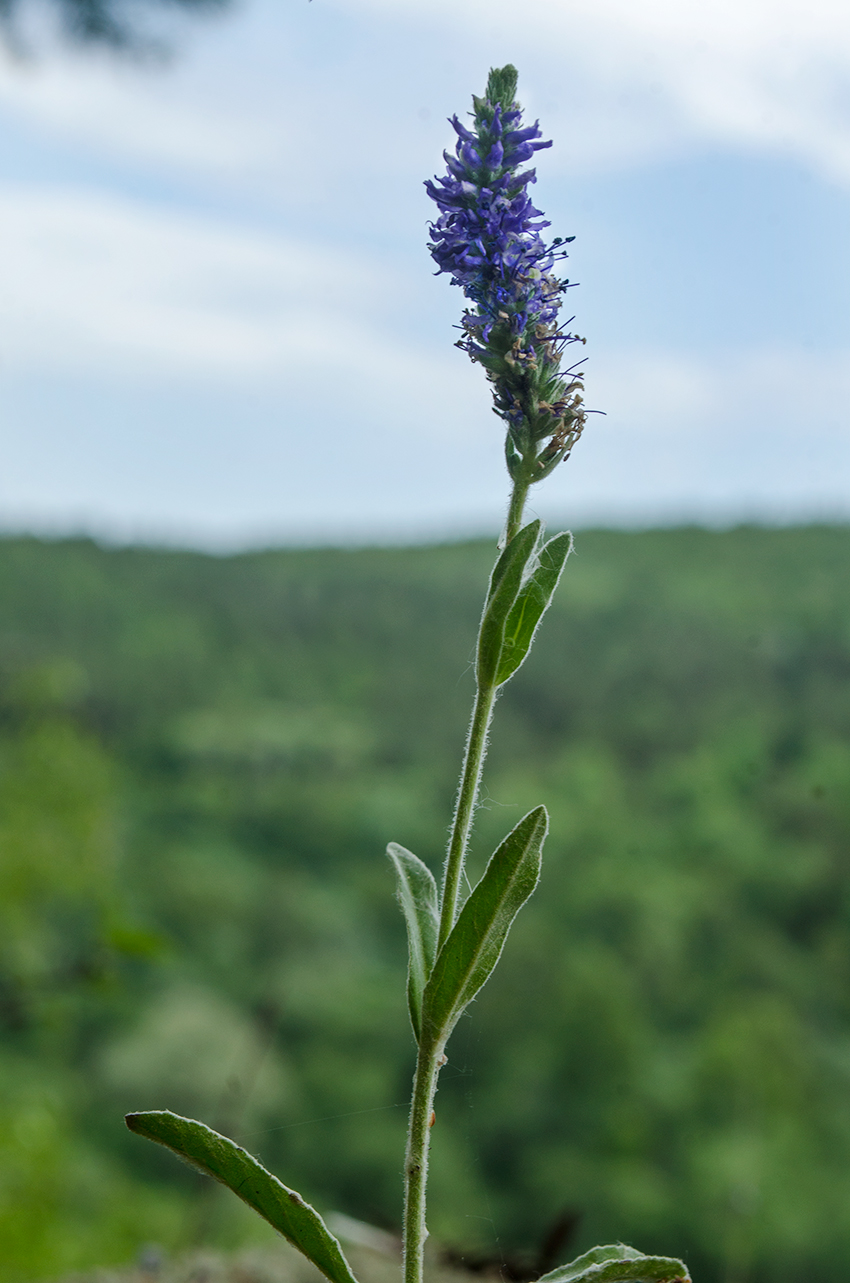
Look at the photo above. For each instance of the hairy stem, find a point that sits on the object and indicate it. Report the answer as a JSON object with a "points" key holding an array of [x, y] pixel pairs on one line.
{"points": [[519, 494], [476, 749], [430, 1057], [416, 1161]]}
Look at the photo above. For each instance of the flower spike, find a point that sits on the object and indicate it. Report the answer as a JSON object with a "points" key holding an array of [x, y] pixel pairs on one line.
{"points": [[488, 239]]}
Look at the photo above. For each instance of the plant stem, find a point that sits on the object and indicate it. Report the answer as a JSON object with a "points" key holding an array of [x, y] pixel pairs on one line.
{"points": [[519, 494], [430, 1057], [476, 748], [416, 1161]]}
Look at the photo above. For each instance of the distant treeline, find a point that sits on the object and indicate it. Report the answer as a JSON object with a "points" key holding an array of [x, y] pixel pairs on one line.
{"points": [[201, 761]]}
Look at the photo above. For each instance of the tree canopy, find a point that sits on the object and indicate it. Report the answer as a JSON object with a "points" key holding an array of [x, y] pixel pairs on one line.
{"points": [[201, 762]]}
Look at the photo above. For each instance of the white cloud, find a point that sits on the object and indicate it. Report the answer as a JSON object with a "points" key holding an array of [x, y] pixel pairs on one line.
{"points": [[140, 110], [411, 448], [629, 79], [617, 82], [256, 349], [170, 375], [94, 282], [753, 434]]}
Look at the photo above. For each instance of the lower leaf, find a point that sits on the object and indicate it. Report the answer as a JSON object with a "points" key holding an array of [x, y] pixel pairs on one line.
{"points": [[234, 1167], [617, 1263]]}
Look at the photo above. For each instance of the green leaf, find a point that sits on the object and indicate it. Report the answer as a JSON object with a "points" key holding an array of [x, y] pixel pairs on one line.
{"points": [[417, 894], [505, 583], [531, 604], [518, 550], [476, 940], [618, 1263], [219, 1157]]}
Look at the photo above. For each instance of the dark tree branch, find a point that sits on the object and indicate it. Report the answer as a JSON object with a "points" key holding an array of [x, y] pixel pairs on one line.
{"points": [[119, 25]]}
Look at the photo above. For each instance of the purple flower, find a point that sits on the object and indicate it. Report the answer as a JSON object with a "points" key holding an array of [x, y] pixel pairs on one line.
{"points": [[488, 239]]}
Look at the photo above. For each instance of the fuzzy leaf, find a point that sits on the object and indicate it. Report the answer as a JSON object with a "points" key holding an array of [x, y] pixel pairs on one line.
{"points": [[505, 583], [618, 1263], [417, 894], [476, 940], [219, 1157], [531, 604]]}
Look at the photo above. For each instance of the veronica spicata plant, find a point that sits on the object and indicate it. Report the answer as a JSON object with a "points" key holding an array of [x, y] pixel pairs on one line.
{"points": [[488, 238]]}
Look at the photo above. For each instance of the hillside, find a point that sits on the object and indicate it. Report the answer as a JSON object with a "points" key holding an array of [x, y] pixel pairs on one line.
{"points": [[201, 761]]}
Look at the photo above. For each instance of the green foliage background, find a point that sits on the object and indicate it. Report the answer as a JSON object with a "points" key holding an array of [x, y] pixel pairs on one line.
{"points": [[201, 761]]}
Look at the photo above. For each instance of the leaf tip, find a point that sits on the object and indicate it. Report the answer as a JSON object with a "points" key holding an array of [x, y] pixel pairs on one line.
{"points": [[132, 1121], [539, 816]]}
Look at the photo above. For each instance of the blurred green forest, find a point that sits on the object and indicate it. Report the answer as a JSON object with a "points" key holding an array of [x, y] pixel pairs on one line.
{"points": [[201, 761]]}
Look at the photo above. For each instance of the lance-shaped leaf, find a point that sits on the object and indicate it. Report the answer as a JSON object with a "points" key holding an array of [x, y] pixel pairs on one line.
{"points": [[618, 1263], [219, 1157], [505, 583], [417, 894], [531, 604], [521, 545], [475, 942]]}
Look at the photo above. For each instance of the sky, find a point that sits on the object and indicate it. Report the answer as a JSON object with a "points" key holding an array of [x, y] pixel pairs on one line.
{"points": [[219, 324]]}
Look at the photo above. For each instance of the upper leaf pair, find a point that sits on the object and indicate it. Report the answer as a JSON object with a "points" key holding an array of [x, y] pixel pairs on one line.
{"points": [[522, 585], [440, 986]]}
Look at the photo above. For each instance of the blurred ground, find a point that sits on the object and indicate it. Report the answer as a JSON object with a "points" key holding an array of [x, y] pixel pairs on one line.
{"points": [[274, 1264]]}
